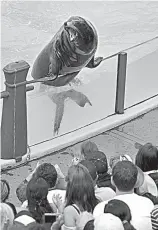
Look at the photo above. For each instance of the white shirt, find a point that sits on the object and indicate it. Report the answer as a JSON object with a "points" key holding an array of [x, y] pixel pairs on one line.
{"points": [[104, 193], [140, 207]]}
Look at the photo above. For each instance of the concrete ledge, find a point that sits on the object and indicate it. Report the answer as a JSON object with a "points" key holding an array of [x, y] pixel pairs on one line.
{"points": [[82, 134]]}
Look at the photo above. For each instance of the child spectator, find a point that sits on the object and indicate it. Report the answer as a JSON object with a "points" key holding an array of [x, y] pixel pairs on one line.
{"points": [[102, 193], [80, 195], [122, 211], [124, 177], [147, 161]]}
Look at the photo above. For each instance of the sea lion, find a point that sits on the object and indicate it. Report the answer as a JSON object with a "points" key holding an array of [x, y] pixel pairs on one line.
{"points": [[72, 48]]}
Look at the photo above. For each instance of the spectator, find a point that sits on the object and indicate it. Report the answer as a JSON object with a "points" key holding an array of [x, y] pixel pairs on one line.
{"points": [[36, 193], [80, 195], [5, 190], [124, 177], [154, 218], [107, 221], [7, 216], [87, 148], [99, 159], [46, 171], [147, 161], [102, 193], [121, 210]]}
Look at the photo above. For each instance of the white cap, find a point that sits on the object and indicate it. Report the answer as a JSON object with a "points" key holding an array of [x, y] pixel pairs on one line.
{"points": [[108, 221]]}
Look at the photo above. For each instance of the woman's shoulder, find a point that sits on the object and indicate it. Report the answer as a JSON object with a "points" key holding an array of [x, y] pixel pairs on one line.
{"points": [[70, 209]]}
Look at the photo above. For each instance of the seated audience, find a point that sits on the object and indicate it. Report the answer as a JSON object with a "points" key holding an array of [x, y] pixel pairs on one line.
{"points": [[102, 193], [121, 210], [154, 218], [5, 190], [125, 177], [80, 195], [46, 171], [147, 160]]}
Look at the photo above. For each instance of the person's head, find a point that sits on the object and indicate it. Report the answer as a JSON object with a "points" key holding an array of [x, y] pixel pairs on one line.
{"points": [[99, 159], [5, 190], [126, 176], [7, 216], [89, 225], [107, 221], [147, 158], [121, 210], [36, 193], [48, 172], [91, 169], [80, 188], [87, 148], [115, 159]]}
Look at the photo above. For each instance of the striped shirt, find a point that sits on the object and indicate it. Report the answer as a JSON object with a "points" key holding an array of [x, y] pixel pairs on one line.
{"points": [[154, 218]]}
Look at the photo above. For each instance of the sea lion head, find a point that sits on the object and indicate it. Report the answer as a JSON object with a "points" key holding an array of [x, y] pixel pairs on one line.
{"points": [[81, 34]]}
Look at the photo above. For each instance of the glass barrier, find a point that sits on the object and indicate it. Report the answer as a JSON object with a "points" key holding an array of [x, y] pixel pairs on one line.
{"points": [[141, 73], [97, 86]]}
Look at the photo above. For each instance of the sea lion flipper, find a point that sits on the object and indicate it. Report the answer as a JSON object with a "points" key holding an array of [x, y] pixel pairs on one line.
{"points": [[94, 62], [58, 116], [59, 100], [78, 97]]}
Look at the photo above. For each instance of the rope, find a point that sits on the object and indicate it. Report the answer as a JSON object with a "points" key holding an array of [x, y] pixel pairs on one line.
{"points": [[131, 47], [44, 79]]}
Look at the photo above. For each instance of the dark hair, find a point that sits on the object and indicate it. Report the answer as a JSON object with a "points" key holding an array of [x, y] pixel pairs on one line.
{"points": [[121, 210], [147, 158], [153, 198], [37, 226], [87, 148], [48, 172], [80, 189], [5, 190], [90, 167], [124, 175], [36, 193], [89, 225]]}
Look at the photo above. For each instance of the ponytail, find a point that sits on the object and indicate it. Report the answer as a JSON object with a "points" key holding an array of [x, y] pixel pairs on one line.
{"points": [[127, 225]]}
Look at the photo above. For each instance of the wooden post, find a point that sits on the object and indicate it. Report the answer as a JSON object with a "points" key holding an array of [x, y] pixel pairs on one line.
{"points": [[121, 80], [14, 113]]}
